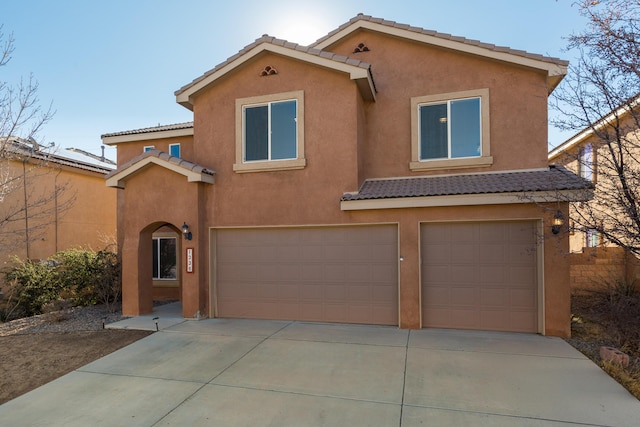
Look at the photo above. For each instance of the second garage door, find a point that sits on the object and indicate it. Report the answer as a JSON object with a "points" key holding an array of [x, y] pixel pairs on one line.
{"points": [[326, 274], [480, 276]]}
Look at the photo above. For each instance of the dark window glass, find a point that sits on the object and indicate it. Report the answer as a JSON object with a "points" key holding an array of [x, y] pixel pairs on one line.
{"points": [[270, 131], [465, 128], [283, 130], [450, 130], [433, 132], [164, 258], [256, 133]]}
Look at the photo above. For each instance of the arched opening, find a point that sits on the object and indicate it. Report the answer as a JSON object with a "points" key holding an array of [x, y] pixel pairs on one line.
{"points": [[159, 265]]}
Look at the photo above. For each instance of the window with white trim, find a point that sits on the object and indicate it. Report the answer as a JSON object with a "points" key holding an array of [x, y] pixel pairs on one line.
{"points": [[164, 258], [450, 130], [148, 148], [592, 238], [585, 162], [270, 132], [174, 150]]}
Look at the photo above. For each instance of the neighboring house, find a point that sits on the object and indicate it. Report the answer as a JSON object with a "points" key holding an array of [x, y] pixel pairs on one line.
{"points": [[56, 200], [587, 155], [378, 176]]}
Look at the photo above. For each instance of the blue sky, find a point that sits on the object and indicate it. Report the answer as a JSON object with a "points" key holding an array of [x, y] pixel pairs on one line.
{"points": [[114, 65]]}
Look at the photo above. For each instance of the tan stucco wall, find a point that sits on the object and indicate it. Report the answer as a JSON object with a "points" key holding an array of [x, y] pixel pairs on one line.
{"points": [[129, 150], [89, 222], [154, 199], [401, 70]]}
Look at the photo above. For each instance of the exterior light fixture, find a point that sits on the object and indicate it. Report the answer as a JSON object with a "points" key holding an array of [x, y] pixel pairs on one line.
{"points": [[185, 232], [557, 223]]}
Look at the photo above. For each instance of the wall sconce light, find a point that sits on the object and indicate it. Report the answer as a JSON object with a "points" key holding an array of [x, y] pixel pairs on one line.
{"points": [[557, 223], [185, 232]]}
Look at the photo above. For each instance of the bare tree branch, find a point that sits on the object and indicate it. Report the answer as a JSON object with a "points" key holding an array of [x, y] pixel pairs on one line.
{"points": [[601, 95], [31, 195]]}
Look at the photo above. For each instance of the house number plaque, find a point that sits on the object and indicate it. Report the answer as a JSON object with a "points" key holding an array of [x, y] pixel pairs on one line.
{"points": [[189, 260]]}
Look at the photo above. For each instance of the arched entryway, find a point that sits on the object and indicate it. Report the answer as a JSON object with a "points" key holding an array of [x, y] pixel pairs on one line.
{"points": [[159, 265]]}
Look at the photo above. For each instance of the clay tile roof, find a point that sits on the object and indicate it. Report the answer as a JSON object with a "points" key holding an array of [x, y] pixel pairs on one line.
{"points": [[175, 126], [393, 24], [164, 156], [278, 42], [555, 178]]}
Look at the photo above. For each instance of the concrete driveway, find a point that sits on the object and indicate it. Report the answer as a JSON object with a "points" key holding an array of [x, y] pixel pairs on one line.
{"points": [[272, 373]]}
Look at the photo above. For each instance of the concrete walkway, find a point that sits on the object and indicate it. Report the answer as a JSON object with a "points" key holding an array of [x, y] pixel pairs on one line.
{"points": [[256, 373]]}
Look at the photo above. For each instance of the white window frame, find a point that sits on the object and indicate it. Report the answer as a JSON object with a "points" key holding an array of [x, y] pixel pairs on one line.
{"points": [[156, 241], [179, 150], [586, 162], [299, 162], [148, 148], [591, 238], [484, 160]]}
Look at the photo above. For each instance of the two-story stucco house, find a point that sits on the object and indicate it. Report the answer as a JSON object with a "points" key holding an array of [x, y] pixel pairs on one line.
{"points": [[385, 174]]}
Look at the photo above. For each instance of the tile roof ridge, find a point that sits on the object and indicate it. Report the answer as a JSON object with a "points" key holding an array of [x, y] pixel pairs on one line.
{"points": [[445, 36], [265, 38], [185, 164], [159, 128], [510, 171]]}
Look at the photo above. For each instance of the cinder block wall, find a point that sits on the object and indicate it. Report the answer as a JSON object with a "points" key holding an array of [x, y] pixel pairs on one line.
{"points": [[594, 268]]}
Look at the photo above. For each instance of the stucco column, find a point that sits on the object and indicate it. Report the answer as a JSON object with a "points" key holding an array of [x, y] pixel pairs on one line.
{"points": [[409, 273], [557, 264], [195, 283], [136, 295]]}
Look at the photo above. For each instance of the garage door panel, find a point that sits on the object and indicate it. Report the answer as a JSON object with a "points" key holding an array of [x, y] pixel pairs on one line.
{"points": [[334, 274], [522, 298], [494, 297], [493, 274], [524, 255], [434, 296], [487, 279], [522, 276], [492, 254], [463, 274], [464, 295], [436, 273]]}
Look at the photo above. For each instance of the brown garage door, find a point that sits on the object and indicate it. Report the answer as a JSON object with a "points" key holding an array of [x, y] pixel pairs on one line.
{"points": [[326, 274], [480, 276]]}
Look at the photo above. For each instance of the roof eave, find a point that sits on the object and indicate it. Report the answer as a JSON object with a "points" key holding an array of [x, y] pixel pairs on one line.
{"points": [[360, 74], [467, 200], [144, 136], [555, 70], [118, 178], [588, 132]]}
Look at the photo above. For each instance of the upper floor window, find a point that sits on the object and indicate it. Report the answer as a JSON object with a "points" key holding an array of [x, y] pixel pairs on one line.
{"points": [[148, 148], [592, 238], [450, 130], [270, 132], [174, 150], [585, 162]]}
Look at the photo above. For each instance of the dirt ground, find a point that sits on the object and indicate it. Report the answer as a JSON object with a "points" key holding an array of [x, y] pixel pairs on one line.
{"points": [[30, 360]]}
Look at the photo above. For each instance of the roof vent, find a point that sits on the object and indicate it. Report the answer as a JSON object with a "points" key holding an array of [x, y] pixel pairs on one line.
{"points": [[268, 71], [361, 48]]}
